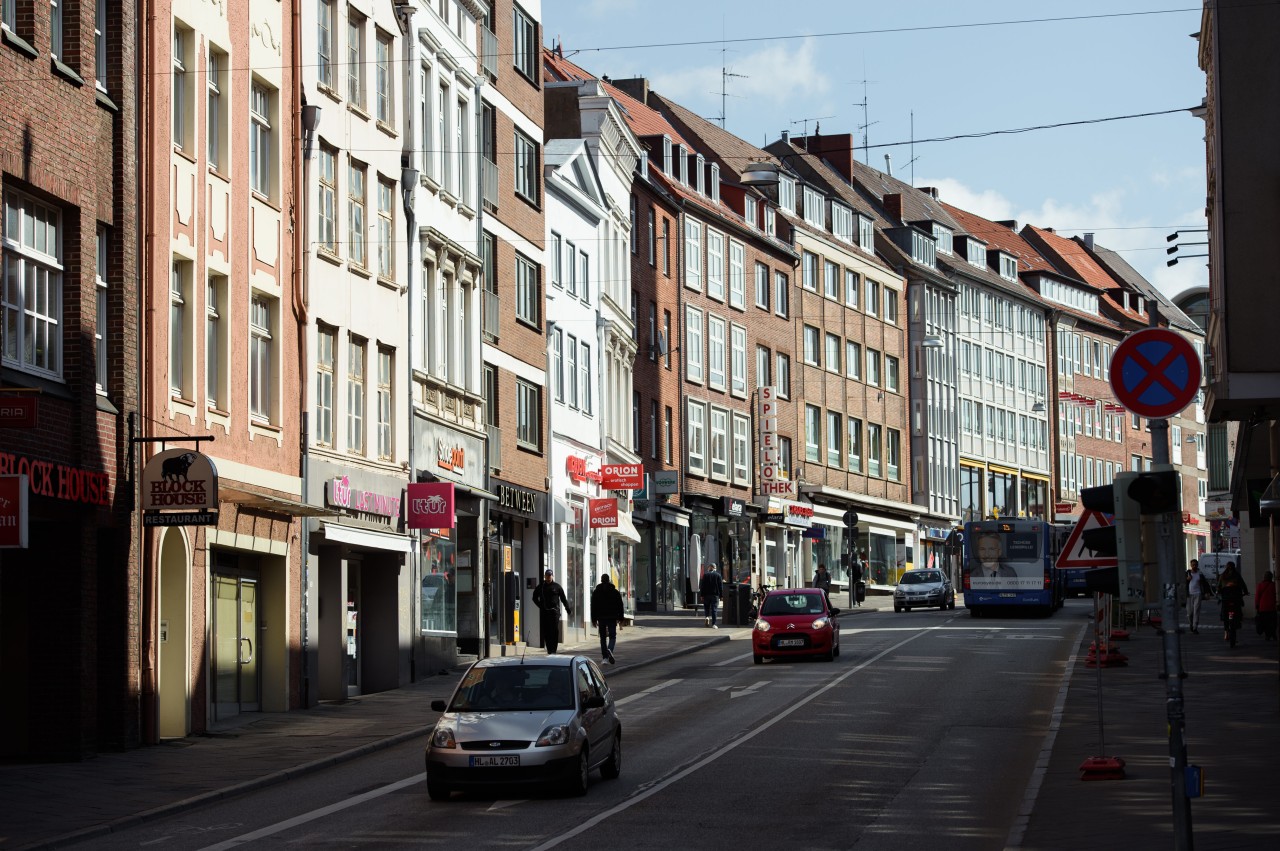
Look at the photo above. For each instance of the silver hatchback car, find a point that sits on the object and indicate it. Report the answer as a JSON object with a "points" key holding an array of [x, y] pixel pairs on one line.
{"points": [[514, 720], [924, 587]]}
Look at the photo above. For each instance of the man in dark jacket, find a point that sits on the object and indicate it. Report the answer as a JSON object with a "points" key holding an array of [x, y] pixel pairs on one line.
{"points": [[547, 597], [606, 614], [712, 589]]}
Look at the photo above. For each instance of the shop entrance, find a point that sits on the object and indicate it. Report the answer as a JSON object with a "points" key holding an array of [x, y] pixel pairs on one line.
{"points": [[237, 678], [352, 629]]}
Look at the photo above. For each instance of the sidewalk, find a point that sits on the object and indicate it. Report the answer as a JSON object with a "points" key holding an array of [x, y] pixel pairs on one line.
{"points": [[1231, 706]]}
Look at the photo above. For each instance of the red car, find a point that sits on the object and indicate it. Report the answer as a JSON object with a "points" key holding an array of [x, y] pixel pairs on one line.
{"points": [[796, 622]]}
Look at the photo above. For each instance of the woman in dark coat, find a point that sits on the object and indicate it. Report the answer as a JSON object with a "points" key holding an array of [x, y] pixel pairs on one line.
{"points": [[1231, 591]]}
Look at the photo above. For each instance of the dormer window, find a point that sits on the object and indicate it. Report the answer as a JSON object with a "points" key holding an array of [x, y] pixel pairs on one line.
{"points": [[699, 173], [714, 189], [942, 239], [1140, 305], [1006, 265], [814, 207], [749, 211], [666, 156], [976, 253], [787, 194], [770, 221], [842, 221], [923, 250], [683, 158], [866, 233]]}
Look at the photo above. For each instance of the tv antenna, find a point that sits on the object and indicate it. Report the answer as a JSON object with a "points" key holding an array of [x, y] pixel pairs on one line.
{"points": [[725, 74], [866, 122], [805, 122]]}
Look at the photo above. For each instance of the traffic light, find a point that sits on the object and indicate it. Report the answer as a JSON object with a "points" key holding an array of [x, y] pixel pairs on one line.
{"points": [[1122, 539]]}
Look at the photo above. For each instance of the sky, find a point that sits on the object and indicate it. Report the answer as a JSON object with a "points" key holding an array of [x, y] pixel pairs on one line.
{"points": [[929, 69]]}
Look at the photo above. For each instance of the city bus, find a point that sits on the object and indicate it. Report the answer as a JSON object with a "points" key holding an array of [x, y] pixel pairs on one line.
{"points": [[1010, 565]]}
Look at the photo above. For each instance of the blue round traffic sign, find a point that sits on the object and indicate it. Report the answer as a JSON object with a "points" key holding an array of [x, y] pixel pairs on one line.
{"points": [[1155, 373]]}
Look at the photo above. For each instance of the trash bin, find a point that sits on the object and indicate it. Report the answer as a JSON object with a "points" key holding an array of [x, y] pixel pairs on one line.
{"points": [[737, 602]]}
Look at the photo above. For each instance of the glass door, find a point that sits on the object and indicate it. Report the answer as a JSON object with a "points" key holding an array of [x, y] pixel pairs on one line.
{"points": [[235, 639]]}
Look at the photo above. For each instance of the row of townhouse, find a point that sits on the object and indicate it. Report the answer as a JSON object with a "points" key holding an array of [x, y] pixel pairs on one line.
{"points": [[342, 247]]}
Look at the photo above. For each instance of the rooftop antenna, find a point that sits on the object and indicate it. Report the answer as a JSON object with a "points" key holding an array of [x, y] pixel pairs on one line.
{"points": [[805, 122], [725, 74], [866, 124], [912, 161]]}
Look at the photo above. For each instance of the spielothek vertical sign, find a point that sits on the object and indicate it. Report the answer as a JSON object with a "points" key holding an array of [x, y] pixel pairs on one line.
{"points": [[771, 481]]}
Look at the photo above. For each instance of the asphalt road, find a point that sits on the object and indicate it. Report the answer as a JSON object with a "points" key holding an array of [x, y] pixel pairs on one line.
{"points": [[927, 728]]}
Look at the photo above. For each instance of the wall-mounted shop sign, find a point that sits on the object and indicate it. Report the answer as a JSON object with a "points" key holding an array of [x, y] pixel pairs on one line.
{"points": [[179, 488], [797, 514], [666, 481], [18, 412], [451, 456], [773, 482], [431, 506], [13, 512], [518, 500], [602, 513], [58, 481], [732, 507], [622, 477], [338, 492], [576, 467]]}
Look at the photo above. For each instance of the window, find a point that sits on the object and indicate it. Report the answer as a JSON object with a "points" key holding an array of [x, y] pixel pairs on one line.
{"points": [[842, 221], [528, 293], [526, 175], [666, 337], [584, 377], [891, 373], [749, 212], [101, 360], [386, 229], [814, 204], [697, 438], [584, 276], [446, 140], [853, 359], [463, 147], [693, 344], [812, 433], [943, 238], [854, 436], [1008, 267], [809, 268], [557, 364], [382, 81], [741, 449], [833, 438], [215, 120], [831, 280], [762, 286], [355, 57], [873, 367], [811, 345], [784, 376], [719, 443], [261, 102], [100, 44], [554, 249], [571, 370], [737, 276], [715, 264], [356, 213], [570, 268], [873, 449], [781, 292], [324, 44], [833, 352], [866, 233], [526, 47], [386, 361], [635, 224], [666, 247], [635, 422], [764, 360], [654, 437], [183, 51], [787, 194], [528, 415], [653, 242], [873, 298], [693, 254], [893, 454], [326, 199], [326, 345], [355, 395], [179, 328], [215, 344], [784, 457], [715, 351], [425, 122], [668, 434], [890, 313], [260, 360], [738, 360]]}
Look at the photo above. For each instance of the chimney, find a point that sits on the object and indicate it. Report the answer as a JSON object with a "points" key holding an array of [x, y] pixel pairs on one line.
{"points": [[836, 150], [786, 137], [893, 205], [1088, 241], [637, 87], [931, 191], [1011, 224], [888, 164]]}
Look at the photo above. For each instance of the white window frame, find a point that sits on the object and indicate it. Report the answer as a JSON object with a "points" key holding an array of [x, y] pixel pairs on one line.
{"points": [[719, 443], [738, 360], [217, 333], [694, 357], [326, 362], [384, 85], [386, 403], [261, 144], [812, 340], [386, 229], [737, 275], [693, 254], [355, 58], [215, 113], [357, 371], [762, 285], [717, 351], [696, 450], [357, 212], [812, 433], [326, 200], [181, 305], [741, 449], [324, 42], [261, 357]]}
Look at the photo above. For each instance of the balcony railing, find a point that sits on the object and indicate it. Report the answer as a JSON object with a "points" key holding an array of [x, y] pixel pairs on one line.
{"points": [[489, 52], [491, 307], [495, 447], [489, 182]]}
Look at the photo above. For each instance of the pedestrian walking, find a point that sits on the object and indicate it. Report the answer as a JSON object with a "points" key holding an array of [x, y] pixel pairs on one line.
{"points": [[855, 580], [1266, 604], [712, 589], [822, 579], [606, 616], [1231, 593], [1197, 591], [548, 597]]}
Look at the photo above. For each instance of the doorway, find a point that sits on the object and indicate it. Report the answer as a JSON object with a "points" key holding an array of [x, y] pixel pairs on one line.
{"points": [[237, 676]]}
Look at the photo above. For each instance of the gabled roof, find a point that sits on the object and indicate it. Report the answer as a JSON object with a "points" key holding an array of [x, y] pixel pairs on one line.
{"points": [[1001, 237], [571, 160], [642, 119], [1069, 256], [916, 205], [1121, 269], [731, 153]]}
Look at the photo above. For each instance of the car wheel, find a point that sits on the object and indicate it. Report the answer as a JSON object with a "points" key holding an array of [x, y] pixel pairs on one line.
{"points": [[835, 651], [613, 765], [908, 608], [578, 782], [897, 608], [829, 656], [438, 791], [758, 659]]}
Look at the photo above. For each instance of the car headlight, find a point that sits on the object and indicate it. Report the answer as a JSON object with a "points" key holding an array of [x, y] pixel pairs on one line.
{"points": [[763, 625], [821, 623], [556, 734], [898, 592], [443, 738]]}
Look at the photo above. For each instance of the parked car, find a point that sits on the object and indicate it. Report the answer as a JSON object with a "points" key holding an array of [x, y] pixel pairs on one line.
{"points": [[513, 720], [795, 622], [924, 587]]}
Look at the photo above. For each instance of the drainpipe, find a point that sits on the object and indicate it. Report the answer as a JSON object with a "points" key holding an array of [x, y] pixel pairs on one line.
{"points": [[148, 708], [480, 563]]}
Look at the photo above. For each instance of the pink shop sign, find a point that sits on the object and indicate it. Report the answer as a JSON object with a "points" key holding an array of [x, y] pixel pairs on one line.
{"points": [[431, 506]]}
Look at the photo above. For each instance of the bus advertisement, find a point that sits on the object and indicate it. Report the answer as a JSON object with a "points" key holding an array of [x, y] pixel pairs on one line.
{"points": [[1009, 564]]}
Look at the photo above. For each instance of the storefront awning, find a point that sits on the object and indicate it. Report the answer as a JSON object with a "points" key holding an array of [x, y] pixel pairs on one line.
{"points": [[367, 538], [265, 502], [625, 528]]}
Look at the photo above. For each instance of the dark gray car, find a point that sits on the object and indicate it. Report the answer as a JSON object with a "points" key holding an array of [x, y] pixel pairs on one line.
{"points": [[926, 586]]}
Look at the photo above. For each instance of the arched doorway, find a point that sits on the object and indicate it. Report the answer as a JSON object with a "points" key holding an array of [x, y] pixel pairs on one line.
{"points": [[175, 634]]}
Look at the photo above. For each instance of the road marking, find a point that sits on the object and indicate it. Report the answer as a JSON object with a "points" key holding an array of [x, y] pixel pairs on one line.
{"points": [[648, 691], [731, 660], [273, 829], [707, 760], [739, 691]]}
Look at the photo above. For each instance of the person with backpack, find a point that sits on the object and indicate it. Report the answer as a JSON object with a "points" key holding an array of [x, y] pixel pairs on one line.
{"points": [[1197, 591], [712, 589]]}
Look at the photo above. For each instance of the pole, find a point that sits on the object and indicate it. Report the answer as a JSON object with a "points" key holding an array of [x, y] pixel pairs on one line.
{"points": [[1169, 558]]}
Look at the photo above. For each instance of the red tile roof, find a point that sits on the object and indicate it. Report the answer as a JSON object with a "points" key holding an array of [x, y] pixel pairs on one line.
{"points": [[642, 119], [1073, 256], [1000, 237]]}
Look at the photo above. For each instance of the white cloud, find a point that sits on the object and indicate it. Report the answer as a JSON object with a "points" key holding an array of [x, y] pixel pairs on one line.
{"points": [[779, 74], [987, 203]]}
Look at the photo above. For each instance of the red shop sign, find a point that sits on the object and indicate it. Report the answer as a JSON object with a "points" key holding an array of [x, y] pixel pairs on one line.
{"points": [[622, 477], [430, 506], [602, 514]]}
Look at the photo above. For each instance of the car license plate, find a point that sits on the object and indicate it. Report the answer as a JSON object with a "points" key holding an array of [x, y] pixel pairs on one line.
{"points": [[486, 761], [791, 642]]}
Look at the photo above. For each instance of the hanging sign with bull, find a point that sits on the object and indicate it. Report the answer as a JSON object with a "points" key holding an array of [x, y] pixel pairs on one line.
{"points": [[179, 488]]}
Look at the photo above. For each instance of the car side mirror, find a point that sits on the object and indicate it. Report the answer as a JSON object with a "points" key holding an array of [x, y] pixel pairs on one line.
{"points": [[834, 611], [594, 702], [439, 706]]}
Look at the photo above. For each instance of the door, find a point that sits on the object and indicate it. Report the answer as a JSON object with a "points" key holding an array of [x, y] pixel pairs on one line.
{"points": [[352, 629], [236, 681]]}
